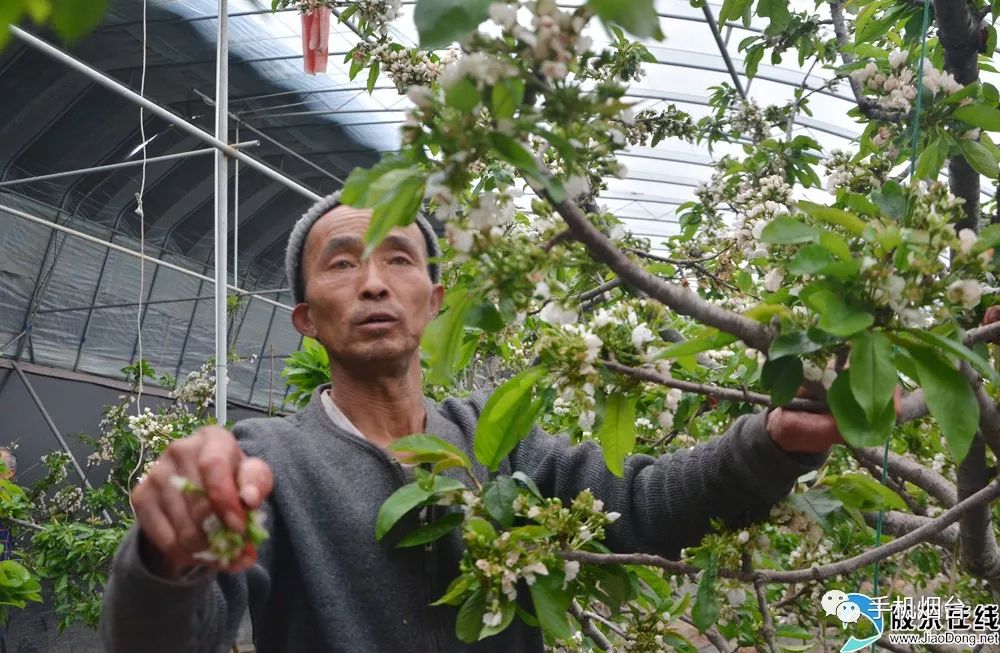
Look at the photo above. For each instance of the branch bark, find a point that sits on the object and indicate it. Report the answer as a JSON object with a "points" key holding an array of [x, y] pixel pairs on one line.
{"points": [[979, 549], [983, 497], [731, 394], [897, 524], [958, 32], [678, 298], [910, 470]]}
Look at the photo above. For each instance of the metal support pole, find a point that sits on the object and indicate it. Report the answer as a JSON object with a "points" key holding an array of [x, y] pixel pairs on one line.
{"points": [[55, 429], [157, 110], [710, 19], [115, 166], [130, 252], [221, 214]]}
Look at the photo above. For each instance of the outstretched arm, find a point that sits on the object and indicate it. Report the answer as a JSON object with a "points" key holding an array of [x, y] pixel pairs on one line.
{"points": [[666, 503]]}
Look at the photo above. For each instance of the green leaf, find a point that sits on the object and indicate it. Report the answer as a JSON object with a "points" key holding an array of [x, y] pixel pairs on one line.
{"points": [[373, 76], [469, 622], [873, 376], [396, 197], [432, 531], [792, 344], [931, 159], [979, 115], [526, 481], [890, 199], [638, 17], [836, 316], [835, 245], [506, 418], [425, 448], [498, 499], [777, 11], [511, 151], [810, 260], [72, 19], [506, 97], [979, 157], [863, 492], [485, 316], [982, 365], [949, 398], [462, 95], [851, 420], [710, 338], [732, 10], [551, 604], [442, 339], [705, 611], [442, 22], [456, 589], [406, 499], [835, 216], [782, 378], [785, 230], [617, 432]]}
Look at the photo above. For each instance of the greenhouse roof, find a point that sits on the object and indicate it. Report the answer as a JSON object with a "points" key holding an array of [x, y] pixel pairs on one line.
{"points": [[72, 303]]}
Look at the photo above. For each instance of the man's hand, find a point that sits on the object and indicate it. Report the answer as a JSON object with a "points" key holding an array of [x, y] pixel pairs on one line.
{"points": [[801, 432], [170, 521], [992, 315]]}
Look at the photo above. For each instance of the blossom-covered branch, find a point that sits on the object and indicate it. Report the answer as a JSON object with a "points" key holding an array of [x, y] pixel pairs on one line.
{"points": [[983, 497]]}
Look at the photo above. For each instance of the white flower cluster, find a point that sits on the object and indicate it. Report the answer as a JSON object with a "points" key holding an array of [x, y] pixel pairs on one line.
{"points": [[67, 500], [898, 87], [198, 388], [758, 203], [843, 172], [150, 428], [748, 119], [410, 67], [379, 14], [482, 68], [553, 40]]}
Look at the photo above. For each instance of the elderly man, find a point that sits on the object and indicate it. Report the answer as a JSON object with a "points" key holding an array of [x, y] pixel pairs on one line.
{"points": [[322, 582]]}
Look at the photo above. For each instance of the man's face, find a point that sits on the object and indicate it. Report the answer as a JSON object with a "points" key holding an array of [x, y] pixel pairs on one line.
{"points": [[365, 312]]}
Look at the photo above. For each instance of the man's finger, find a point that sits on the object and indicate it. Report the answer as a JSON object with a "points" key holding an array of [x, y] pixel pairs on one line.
{"points": [[220, 458], [190, 535], [157, 529], [255, 482], [992, 315]]}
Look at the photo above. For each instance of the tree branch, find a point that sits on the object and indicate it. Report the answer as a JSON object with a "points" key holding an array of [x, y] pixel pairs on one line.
{"points": [[979, 548], [983, 497], [867, 106], [898, 523], [731, 394], [891, 483], [713, 635], [910, 470], [676, 297], [588, 627], [765, 612], [958, 33]]}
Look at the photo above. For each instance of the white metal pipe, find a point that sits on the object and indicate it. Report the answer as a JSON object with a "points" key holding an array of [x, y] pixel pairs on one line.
{"points": [[157, 110], [221, 214], [123, 164], [145, 257]]}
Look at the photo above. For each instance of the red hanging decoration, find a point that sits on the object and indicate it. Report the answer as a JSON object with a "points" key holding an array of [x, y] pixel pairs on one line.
{"points": [[315, 38]]}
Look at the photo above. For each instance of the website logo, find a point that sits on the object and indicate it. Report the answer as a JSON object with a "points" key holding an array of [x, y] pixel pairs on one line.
{"points": [[850, 608]]}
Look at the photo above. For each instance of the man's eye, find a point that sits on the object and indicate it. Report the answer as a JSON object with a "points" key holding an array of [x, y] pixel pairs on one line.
{"points": [[400, 260], [342, 264]]}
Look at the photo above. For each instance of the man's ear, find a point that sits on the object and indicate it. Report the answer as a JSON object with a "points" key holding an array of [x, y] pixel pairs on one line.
{"points": [[303, 321], [437, 298]]}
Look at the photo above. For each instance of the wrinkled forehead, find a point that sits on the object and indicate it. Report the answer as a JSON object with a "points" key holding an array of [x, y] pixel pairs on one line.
{"points": [[346, 220]]}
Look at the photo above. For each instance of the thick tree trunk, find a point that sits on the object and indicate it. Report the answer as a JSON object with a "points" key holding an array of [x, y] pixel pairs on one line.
{"points": [[958, 31]]}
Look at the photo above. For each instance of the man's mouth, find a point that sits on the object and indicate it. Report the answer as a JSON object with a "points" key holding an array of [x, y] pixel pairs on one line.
{"points": [[378, 319]]}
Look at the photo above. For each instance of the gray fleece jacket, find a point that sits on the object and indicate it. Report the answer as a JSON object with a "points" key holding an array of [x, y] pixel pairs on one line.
{"points": [[323, 584]]}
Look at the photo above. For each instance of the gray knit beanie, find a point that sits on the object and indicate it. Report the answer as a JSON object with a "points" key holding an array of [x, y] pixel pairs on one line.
{"points": [[297, 243]]}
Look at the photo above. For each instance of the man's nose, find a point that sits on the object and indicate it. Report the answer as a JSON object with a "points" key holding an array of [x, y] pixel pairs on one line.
{"points": [[373, 284]]}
